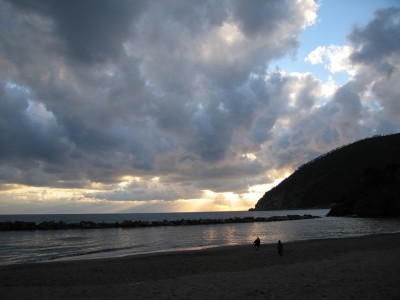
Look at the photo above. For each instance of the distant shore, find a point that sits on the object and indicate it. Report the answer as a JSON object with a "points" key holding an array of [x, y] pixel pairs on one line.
{"points": [[360, 267]]}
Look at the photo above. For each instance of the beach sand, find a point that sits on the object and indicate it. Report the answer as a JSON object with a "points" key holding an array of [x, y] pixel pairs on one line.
{"points": [[351, 268]]}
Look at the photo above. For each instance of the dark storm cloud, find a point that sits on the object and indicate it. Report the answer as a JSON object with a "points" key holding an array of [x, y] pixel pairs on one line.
{"points": [[258, 17], [377, 52], [92, 30], [174, 93], [379, 40], [24, 138]]}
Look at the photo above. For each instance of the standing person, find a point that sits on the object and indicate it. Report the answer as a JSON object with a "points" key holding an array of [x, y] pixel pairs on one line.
{"points": [[257, 243], [280, 248]]}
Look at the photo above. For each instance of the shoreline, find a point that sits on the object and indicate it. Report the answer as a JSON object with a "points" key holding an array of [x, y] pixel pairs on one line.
{"points": [[86, 257], [363, 267]]}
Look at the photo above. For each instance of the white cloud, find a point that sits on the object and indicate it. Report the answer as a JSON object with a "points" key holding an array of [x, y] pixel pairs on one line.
{"points": [[334, 58], [329, 88], [310, 8]]}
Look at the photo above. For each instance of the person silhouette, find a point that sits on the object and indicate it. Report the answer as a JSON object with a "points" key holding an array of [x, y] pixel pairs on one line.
{"points": [[280, 248], [257, 243]]}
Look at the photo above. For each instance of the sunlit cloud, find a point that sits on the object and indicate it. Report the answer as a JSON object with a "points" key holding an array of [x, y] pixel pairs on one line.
{"points": [[334, 58], [176, 107]]}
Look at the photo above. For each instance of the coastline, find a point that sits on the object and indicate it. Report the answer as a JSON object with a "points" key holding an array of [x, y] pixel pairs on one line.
{"points": [[362, 267]]}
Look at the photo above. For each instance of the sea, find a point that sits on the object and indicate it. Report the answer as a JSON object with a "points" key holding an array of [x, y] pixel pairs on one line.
{"points": [[21, 247]]}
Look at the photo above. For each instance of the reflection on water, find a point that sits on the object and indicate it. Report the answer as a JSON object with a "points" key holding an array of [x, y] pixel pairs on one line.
{"points": [[32, 246], [210, 234], [230, 235]]}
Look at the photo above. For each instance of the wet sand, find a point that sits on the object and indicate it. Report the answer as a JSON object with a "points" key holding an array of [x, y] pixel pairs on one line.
{"points": [[351, 268]]}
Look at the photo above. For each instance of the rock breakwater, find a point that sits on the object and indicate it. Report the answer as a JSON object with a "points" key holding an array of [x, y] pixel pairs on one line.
{"points": [[57, 225]]}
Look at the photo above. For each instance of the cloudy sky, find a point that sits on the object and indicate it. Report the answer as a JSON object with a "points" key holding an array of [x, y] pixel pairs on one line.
{"points": [[168, 105]]}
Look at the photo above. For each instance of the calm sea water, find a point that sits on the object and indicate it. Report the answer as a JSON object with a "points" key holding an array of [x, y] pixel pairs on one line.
{"points": [[36, 246]]}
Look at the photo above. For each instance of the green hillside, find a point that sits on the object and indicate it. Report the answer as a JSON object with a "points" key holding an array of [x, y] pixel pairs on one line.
{"points": [[330, 179]]}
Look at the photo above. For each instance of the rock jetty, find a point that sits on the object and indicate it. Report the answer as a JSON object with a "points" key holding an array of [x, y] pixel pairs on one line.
{"points": [[53, 225]]}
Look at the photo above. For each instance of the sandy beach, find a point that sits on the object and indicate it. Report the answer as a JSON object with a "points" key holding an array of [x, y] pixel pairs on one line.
{"points": [[351, 268]]}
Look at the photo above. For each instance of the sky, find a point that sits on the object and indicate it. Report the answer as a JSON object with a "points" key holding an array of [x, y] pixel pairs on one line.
{"points": [[110, 106]]}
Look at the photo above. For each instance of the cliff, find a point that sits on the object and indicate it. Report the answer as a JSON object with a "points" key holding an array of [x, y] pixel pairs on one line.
{"points": [[357, 179]]}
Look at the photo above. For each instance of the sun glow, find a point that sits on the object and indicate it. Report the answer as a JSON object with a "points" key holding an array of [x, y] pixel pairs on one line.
{"points": [[227, 201], [94, 199]]}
